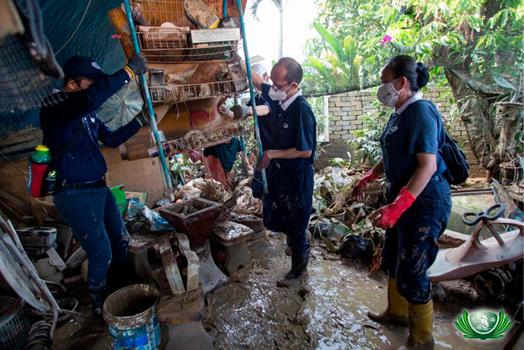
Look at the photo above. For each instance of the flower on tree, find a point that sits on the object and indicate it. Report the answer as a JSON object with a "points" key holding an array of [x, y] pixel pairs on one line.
{"points": [[386, 39]]}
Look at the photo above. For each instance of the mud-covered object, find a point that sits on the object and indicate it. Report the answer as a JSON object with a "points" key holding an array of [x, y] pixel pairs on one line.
{"points": [[122, 107], [357, 248]]}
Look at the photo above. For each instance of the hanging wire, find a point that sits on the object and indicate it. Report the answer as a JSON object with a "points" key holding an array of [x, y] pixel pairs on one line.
{"points": [[76, 29]]}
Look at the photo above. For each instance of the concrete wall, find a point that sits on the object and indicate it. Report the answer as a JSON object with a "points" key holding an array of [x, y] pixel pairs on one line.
{"points": [[346, 111]]}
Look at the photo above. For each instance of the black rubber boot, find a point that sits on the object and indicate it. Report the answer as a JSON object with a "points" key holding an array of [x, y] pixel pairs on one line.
{"points": [[298, 270], [98, 296]]}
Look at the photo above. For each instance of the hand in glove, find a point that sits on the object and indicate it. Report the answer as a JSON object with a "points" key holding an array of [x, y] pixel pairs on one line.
{"points": [[362, 184], [387, 216], [241, 112], [137, 64]]}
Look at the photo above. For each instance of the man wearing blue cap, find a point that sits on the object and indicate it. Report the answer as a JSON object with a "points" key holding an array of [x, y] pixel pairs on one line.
{"points": [[72, 131]]}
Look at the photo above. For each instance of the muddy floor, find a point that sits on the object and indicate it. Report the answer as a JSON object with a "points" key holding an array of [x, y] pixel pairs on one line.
{"points": [[327, 312]]}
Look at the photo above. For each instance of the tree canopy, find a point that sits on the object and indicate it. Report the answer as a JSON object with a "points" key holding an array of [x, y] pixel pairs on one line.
{"points": [[356, 37]]}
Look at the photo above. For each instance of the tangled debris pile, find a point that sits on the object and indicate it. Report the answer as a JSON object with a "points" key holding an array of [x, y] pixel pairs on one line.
{"points": [[341, 221]]}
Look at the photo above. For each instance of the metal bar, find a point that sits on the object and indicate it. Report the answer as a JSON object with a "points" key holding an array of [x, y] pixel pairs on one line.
{"points": [[151, 111], [224, 9], [251, 89]]}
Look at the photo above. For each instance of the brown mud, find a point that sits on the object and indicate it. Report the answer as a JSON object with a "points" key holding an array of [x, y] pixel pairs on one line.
{"points": [[328, 312]]}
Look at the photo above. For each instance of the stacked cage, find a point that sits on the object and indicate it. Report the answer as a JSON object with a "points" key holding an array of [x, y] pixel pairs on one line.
{"points": [[189, 61], [167, 39]]}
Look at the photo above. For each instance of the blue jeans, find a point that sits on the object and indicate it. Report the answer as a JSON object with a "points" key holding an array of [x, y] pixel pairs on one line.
{"points": [[411, 246], [98, 226]]}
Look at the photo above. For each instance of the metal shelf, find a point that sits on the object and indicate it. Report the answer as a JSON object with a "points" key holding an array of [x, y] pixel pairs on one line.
{"points": [[198, 139], [174, 93], [166, 45]]}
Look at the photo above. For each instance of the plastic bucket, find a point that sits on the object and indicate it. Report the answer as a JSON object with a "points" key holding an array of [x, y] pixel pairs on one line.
{"points": [[131, 314]]}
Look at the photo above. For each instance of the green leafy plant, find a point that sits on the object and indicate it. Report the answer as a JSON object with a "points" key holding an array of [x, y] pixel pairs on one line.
{"points": [[474, 47], [366, 141]]}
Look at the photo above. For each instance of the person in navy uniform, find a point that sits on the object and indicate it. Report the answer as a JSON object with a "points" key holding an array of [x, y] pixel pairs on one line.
{"points": [[72, 131], [288, 161], [418, 195]]}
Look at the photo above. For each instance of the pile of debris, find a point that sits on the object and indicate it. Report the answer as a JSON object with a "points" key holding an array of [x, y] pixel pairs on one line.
{"points": [[341, 221]]}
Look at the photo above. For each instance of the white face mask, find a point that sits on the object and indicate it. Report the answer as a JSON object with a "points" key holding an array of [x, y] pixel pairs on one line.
{"points": [[277, 94], [387, 94]]}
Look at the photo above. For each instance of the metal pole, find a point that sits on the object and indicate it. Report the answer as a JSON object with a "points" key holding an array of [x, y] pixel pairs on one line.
{"points": [[151, 111], [251, 89], [224, 9]]}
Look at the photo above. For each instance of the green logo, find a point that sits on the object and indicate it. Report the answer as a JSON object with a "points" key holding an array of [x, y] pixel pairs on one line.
{"points": [[483, 324]]}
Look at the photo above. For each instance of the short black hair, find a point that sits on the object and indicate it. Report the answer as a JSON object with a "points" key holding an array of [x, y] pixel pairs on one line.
{"points": [[294, 72], [406, 66]]}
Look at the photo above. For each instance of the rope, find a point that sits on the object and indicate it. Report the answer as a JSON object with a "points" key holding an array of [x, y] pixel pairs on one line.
{"points": [[76, 29]]}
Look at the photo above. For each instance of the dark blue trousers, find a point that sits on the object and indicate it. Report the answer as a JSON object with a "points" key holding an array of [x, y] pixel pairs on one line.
{"points": [[98, 226], [287, 206], [411, 247]]}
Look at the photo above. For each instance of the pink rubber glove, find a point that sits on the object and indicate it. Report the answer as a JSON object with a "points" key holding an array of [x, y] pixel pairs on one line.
{"points": [[388, 215], [368, 178]]}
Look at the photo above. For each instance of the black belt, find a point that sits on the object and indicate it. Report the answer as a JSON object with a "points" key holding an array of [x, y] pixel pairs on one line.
{"points": [[64, 185]]}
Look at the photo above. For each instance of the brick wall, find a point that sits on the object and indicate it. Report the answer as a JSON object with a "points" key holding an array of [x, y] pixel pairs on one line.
{"points": [[346, 111]]}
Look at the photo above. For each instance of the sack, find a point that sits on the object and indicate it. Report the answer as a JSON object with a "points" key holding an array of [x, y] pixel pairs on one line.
{"points": [[456, 162]]}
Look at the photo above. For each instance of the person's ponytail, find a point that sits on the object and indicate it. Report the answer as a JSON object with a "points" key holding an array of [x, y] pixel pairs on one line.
{"points": [[422, 75], [406, 66]]}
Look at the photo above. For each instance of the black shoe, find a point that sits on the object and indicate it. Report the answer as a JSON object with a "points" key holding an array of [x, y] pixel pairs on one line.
{"points": [[98, 297], [298, 271]]}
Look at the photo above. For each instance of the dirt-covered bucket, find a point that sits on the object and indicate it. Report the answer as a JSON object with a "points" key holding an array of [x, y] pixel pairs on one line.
{"points": [[131, 314]]}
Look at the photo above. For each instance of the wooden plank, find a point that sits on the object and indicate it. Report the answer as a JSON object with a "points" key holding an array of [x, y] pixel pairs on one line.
{"points": [[203, 36], [119, 20], [193, 280], [171, 268]]}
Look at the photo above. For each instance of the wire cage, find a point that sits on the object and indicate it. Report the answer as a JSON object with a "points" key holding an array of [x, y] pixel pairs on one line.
{"points": [[174, 93], [23, 86], [157, 12], [198, 139], [160, 44]]}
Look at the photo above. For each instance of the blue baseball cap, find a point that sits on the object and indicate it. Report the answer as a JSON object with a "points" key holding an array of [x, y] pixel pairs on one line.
{"points": [[82, 66]]}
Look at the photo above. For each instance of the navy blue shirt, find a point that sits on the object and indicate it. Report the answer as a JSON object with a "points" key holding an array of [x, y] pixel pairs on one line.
{"points": [[72, 130], [293, 128], [418, 129]]}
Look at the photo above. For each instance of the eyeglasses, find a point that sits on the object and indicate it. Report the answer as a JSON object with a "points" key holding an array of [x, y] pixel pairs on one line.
{"points": [[281, 87]]}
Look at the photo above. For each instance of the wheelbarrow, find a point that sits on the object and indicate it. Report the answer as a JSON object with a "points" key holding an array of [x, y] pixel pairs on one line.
{"points": [[477, 255]]}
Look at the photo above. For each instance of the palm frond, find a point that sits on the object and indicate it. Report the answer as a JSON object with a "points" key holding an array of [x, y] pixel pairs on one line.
{"points": [[254, 9]]}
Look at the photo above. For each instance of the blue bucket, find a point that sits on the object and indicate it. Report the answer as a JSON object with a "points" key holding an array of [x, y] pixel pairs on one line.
{"points": [[131, 315]]}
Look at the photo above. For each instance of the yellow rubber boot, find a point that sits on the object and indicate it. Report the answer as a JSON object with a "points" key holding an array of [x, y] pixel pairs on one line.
{"points": [[397, 310], [420, 327]]}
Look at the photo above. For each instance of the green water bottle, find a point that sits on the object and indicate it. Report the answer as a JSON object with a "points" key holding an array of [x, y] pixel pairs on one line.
{"points": [[41, 155]]}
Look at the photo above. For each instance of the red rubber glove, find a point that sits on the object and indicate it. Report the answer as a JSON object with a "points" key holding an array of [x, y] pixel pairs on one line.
{"points": [[362, 183], [388, 215]]}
